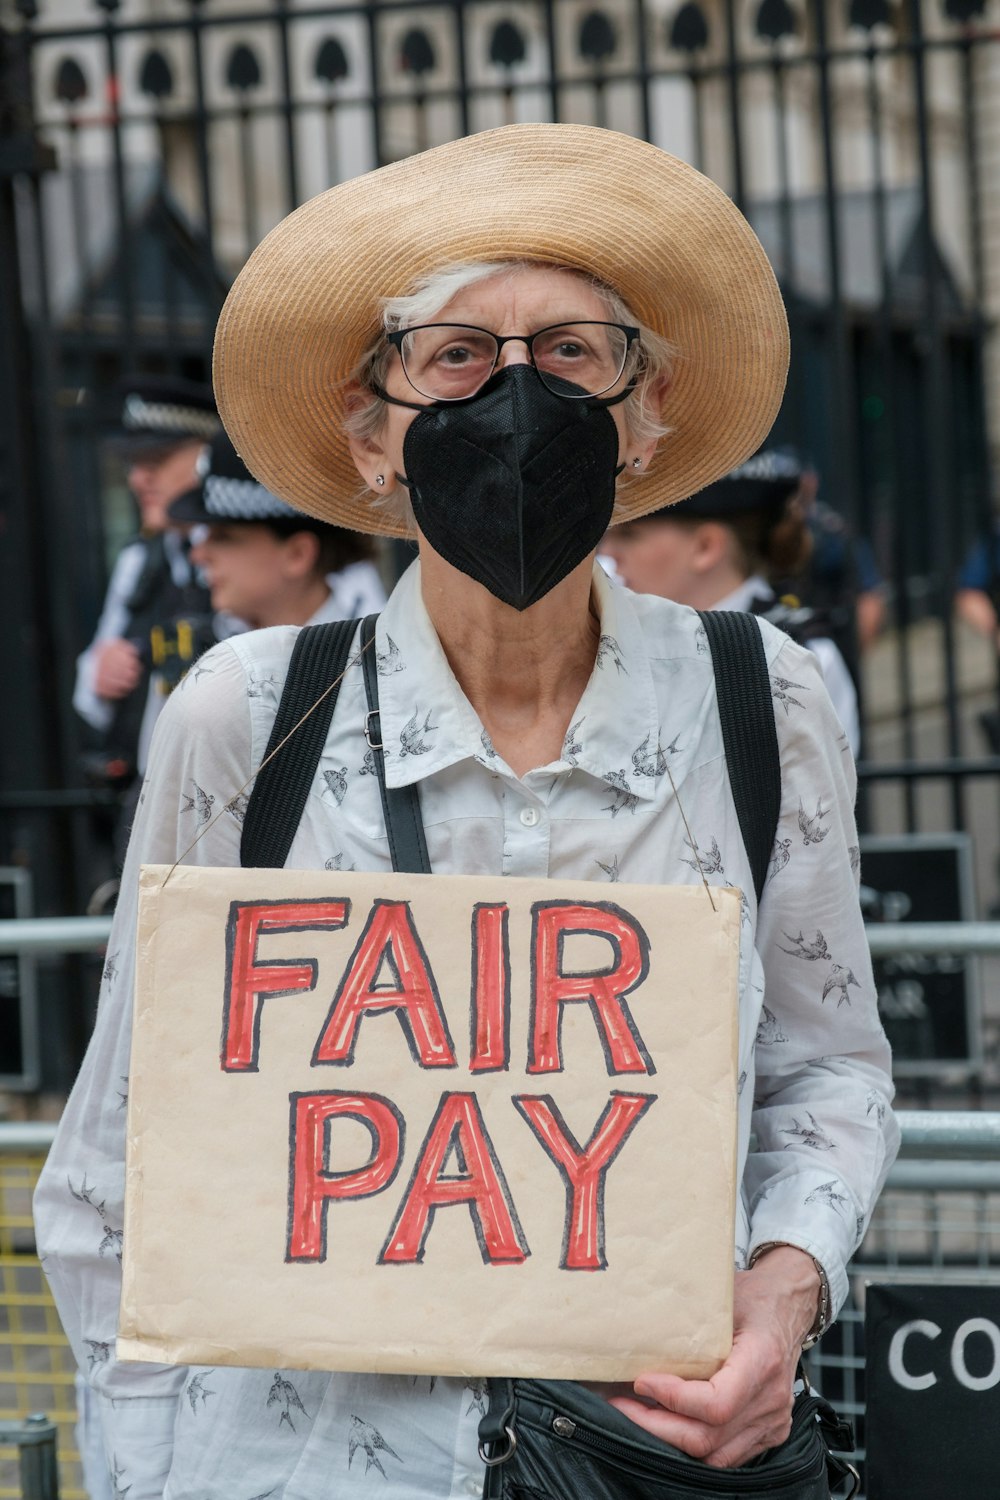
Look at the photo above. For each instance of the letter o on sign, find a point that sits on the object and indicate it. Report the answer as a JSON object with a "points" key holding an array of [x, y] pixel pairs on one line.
{"points": [[962, 1334]]}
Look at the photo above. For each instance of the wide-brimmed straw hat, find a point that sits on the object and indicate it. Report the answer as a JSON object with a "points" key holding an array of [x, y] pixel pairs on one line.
{"points": [[308, 302]]}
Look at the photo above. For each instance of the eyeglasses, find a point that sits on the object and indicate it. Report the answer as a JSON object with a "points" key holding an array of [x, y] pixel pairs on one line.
{"points": [[451, 361]]}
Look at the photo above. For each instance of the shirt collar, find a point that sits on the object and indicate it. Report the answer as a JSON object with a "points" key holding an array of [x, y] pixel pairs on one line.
{"points": [[743, 597], [427, 722]]}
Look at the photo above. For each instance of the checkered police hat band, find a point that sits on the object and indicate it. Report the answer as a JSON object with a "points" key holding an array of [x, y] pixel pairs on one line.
{"points": [[243, 500], [167, 420]]}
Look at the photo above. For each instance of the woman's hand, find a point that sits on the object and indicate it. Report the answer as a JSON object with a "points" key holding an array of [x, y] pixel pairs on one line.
{"points": [[746, 1407]]}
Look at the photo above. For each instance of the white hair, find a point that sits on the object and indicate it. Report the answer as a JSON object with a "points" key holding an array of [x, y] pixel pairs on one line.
{"points": [[433, 292]]}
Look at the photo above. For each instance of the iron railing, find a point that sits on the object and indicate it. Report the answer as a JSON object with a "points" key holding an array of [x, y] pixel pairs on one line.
{"points": [[90, 935]]}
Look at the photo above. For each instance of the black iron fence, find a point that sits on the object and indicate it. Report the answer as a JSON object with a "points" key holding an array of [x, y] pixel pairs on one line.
{"points": [[146, 147]]}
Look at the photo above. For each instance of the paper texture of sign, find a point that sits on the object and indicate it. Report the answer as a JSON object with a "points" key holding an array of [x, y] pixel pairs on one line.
{"points": [[434, 1124]]}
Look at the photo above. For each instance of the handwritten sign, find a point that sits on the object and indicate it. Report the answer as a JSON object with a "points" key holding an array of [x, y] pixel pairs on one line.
{"points": [[446, 1124]]}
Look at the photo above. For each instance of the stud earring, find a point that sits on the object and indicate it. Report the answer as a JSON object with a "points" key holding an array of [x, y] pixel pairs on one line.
{"points": [[637, 463], [380, 480]]}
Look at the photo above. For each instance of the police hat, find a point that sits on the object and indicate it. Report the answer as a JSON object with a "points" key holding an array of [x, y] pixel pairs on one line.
{"points": [[228, 493], [765, 482], [159, 412]]}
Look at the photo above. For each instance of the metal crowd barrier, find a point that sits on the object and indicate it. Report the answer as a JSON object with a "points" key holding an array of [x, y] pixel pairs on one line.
{"points": [[35, 1441], [938, 1219], [37, 1368], [90, 935]]}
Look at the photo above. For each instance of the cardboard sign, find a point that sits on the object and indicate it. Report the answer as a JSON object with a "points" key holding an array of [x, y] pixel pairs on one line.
{"points": [[437, 1124], [933, 1381]]}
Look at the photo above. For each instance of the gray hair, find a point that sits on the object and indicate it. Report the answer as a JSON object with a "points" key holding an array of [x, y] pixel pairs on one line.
{"points": [[432, 293]]}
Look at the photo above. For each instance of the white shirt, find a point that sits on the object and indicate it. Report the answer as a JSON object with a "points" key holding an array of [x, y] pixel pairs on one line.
{"points": [[814, 1061], [843, 694]]}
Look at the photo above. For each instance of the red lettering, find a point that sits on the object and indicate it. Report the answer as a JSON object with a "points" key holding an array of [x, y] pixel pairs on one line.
{"points": [[313, 1186], [389, 941], [248, 983], [604, 990], [457, 1128], [583, 1170], [490, 1021]]}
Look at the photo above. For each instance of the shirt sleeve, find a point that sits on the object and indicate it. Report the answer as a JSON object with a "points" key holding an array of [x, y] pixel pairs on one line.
{"points": [[826, 1135], [190, 811], [843, 694]]}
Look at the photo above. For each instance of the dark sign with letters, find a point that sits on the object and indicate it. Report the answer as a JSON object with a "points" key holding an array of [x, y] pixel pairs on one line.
{"points": [[933, 1373], [928, 1001]]}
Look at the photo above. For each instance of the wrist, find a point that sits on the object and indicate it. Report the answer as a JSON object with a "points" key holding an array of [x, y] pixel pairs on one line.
{"points": [[805, 1283]]}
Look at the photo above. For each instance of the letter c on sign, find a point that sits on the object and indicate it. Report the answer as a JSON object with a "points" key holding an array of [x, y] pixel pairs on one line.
{"points": [[975, 1382], [897, 1369]]}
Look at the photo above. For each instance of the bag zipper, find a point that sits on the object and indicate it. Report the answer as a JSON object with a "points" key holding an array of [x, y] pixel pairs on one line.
{"points": [[747, 1481]]}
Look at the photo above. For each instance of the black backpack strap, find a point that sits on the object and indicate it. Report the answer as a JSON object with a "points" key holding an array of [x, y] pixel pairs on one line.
{"points": [[278, 796], [750, 740], [400, 805]]}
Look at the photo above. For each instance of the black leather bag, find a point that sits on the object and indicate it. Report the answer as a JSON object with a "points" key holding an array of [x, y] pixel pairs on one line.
{"points": [[555, 1440]]}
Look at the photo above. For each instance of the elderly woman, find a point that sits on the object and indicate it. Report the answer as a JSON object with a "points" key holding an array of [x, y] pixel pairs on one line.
{"points": [[498, 347]]}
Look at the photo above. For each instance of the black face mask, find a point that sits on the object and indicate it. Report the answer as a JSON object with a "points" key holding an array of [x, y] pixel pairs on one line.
{"points": [[516, 485]]}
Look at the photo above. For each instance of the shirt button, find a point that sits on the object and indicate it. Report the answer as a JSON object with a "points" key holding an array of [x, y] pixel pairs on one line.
{"points": [[529, 816], [474, 1486]]}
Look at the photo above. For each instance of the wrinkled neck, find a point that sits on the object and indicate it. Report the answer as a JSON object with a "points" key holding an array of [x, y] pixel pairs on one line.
{"points": [[513, 665]]}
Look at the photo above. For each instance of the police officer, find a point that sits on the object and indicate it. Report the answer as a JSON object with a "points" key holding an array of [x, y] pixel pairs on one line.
{"points": [[720, 550], [266, 563], [121, 676]]}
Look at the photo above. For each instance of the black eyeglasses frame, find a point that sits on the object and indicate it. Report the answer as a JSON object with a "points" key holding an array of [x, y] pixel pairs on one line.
{"points": [[631, 337]]}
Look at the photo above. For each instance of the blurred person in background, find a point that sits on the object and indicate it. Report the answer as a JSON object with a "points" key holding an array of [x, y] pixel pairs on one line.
{"points": [[977, 602], [840, 578], [266, 563], [122, 675], [721, 548], [977, 596]]}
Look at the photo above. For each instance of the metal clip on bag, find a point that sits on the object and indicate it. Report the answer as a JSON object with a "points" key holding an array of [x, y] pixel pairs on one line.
{"points": [[555, 1440]]}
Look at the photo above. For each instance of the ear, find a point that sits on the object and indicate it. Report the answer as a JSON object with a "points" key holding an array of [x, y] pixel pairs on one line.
{"points": [[300, 555], [711, 542], [644, 451], [369, 456]]}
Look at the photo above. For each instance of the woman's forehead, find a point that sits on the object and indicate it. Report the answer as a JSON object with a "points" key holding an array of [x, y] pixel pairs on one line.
{"points": [[553, 292]]}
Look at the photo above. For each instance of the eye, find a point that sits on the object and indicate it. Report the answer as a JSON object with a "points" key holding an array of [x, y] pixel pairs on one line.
{"points": [[564, 345], [458, 354]]}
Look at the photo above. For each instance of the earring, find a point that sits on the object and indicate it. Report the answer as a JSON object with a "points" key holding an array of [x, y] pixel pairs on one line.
{"points": [[637, 463], [380, 480]]}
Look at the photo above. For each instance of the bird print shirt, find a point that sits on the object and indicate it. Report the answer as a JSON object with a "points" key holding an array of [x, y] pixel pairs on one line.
{"points": [[813, 1060]]}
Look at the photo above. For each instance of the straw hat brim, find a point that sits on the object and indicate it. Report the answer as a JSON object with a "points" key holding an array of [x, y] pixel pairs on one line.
{"points": [[307, 304]]}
